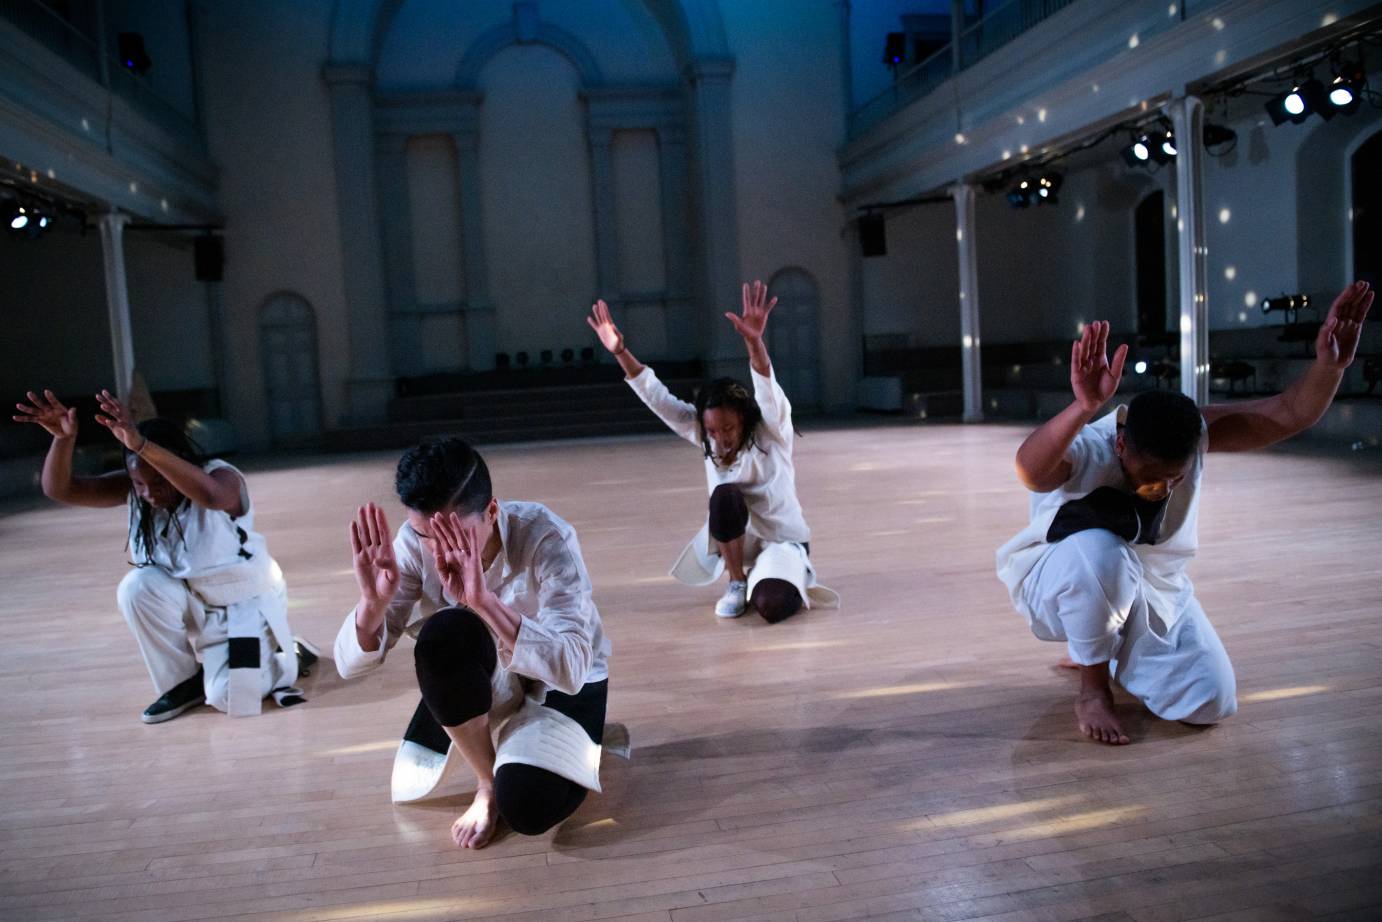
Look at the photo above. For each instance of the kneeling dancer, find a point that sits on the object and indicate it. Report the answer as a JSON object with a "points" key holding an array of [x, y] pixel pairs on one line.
{"points": [[203, 587], [1102, 564], [755, 532], [511, 657]]}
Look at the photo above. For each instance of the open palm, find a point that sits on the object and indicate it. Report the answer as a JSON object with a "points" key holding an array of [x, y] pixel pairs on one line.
{"points": [[376, 570], [48, 411], [1092, 377], [1337, 342], [754, 319], [603, 324]]}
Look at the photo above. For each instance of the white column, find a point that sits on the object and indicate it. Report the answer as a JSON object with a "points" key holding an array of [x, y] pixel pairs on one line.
{"points": [[969, 303], [1187, 120], [118, 301]]}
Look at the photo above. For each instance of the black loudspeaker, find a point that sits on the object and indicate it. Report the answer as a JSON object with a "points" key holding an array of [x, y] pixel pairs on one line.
{"points": [[895, 51], [873, 235], [209, 257], [133, 57]]}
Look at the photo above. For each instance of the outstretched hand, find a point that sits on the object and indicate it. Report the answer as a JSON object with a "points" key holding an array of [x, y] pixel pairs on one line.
{"points": [[754, 319], [48, 411], [117, 417], [371, 547], [1337, 342], [603, 324], [456, 551], [1092, 377]]}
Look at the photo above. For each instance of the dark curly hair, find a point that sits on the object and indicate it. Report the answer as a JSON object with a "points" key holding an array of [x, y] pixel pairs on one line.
{"points": [[167, 434], [443, 473], [727, 393], [1165, 425]]}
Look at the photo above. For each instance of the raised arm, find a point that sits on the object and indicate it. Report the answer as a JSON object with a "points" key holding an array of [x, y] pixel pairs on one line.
{"points": [[1043, 463], [752, 323], [220, 490], [679, 415], [603, 324], [59, 483], [1255, 424]]}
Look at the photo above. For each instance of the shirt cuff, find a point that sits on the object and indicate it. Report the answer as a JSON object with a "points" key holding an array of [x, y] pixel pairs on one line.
{"points": [[351, 658], [534, 650]]}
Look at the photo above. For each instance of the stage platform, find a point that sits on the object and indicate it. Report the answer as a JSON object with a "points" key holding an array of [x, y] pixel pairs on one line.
{"points": [[911, 756]]}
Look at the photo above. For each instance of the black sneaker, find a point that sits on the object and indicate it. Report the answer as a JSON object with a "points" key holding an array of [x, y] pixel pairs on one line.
{"points": [[188, 693], [307, 656]]}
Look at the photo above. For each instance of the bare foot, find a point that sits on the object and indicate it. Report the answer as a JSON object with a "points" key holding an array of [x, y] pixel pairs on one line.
{"points": [[1067, 663], [1094, 707], [1094, 711], [475, 827]]}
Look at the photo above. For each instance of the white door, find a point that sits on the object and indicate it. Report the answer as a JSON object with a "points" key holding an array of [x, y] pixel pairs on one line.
{"points": [[794, 337], [288, 342]]}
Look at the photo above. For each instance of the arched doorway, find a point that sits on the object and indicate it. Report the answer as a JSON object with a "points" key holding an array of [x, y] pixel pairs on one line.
{"points": [[1366, 208], [288, 343], [794, 336]]}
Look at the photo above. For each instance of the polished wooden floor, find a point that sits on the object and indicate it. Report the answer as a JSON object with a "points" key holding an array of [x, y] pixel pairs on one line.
{"points": [[910, 756]]}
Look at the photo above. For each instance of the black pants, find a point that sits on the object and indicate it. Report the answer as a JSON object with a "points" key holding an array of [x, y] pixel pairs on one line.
{"points": [[455, 660], [774, 599]]}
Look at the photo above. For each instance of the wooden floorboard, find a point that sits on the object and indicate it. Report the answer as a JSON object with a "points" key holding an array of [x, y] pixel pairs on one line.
{"points": [[911, 756]]}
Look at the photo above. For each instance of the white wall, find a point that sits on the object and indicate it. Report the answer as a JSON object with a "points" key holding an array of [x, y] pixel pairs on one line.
{"points": [[789, 119], [269, 128]]}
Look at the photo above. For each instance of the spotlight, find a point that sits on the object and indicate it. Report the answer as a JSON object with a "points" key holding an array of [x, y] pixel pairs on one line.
{"points": [[1022, 193], [1139, 151], [135, 59], [1285, 303], [27, 219], [1047, 185], [1345, 91], [895, 49], [1290, 106], [1218, 136], [1140, 368], [1164, 146]]}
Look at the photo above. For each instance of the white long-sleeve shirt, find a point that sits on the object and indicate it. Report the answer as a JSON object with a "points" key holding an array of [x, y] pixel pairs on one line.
{"points": [[766, 474], [539, 573], [1094, 463]]}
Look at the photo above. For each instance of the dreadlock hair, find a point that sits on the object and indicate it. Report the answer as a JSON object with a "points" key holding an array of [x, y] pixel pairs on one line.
{"points": [[727, 393], [443, 473], [1163, 424], [167, 434]]}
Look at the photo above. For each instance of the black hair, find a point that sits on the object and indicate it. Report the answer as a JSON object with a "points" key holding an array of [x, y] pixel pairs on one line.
{"points": [[729, 394], [169, 435], [441, 473], [1165, 425]]}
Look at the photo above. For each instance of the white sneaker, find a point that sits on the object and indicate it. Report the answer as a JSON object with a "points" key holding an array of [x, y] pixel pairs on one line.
{"points": [[734, 601]]}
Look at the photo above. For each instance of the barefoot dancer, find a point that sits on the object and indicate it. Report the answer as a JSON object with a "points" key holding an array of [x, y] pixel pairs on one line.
{"points": [[511, 656], [755, 532], [1102, 565], [204, 586]]}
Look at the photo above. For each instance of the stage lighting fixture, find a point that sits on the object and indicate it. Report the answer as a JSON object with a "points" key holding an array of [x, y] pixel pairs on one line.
{"points": [[1218, 136], [1047, 185], [133, 57], [1139, 151], [1163, 144], [27, 219], [587, 354], [1140, 368], [568, 356], [1286, 303], [895, 49], [501, 361], [1022, 193], [1289, 106], [1345, 91], [522, 359]]}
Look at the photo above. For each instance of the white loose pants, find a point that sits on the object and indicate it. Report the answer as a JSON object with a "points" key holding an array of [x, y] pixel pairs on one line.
{"points": [[174, 629], [1087, 591]]}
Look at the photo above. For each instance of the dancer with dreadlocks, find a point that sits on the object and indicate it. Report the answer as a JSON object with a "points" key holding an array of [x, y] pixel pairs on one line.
{"points": [[755, 531], [203, 585]]}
